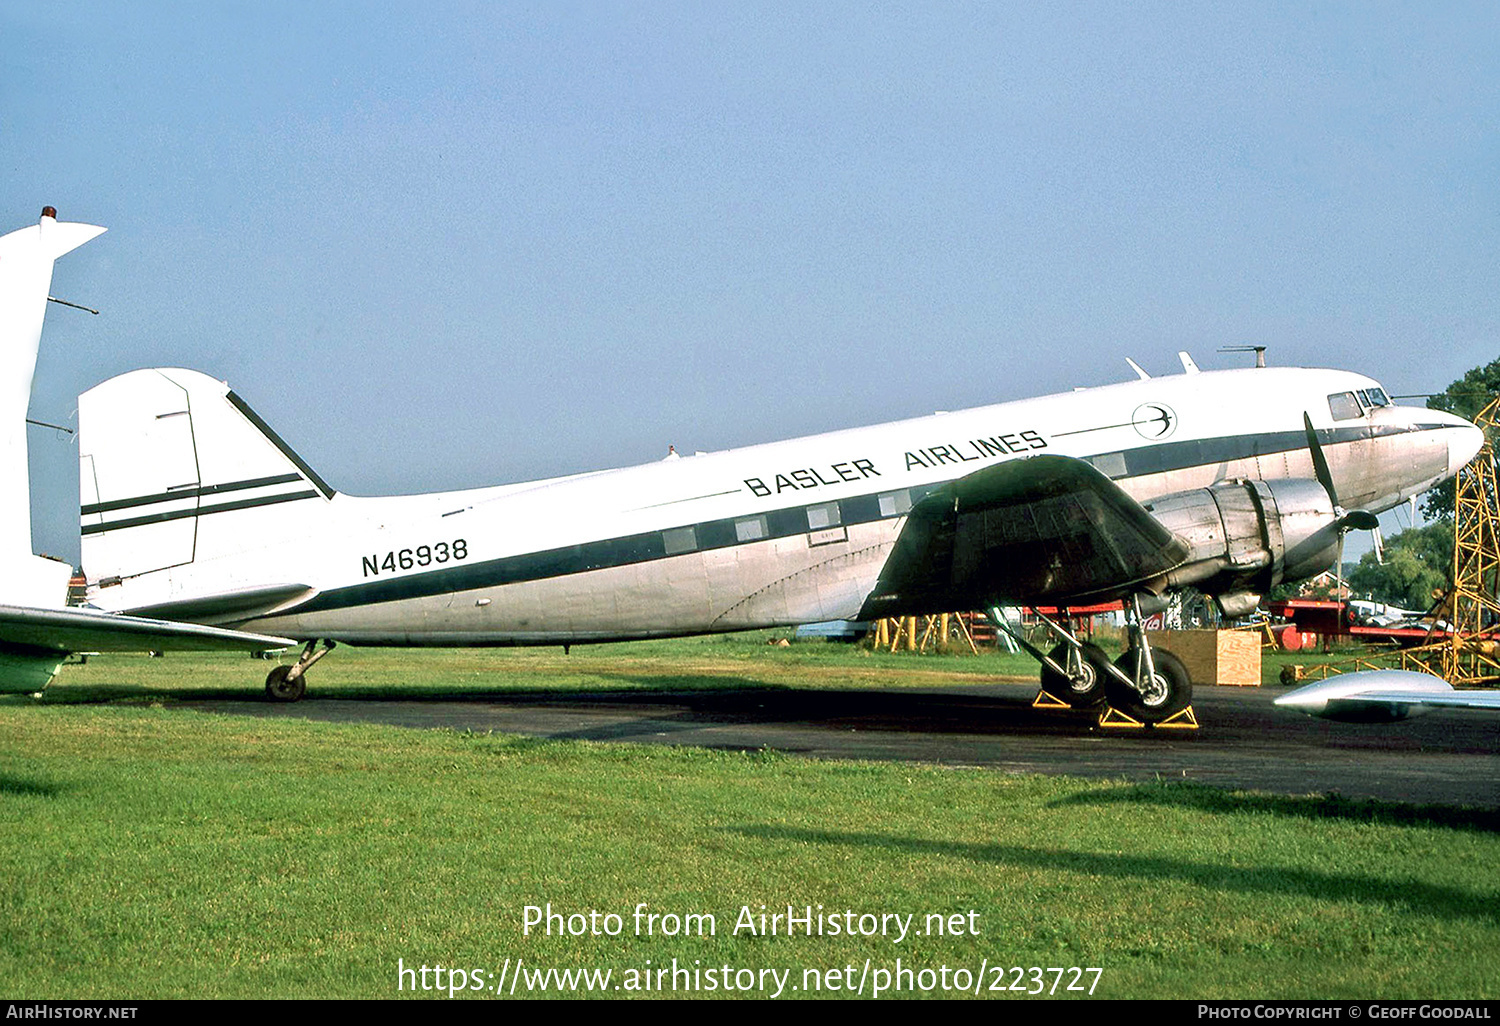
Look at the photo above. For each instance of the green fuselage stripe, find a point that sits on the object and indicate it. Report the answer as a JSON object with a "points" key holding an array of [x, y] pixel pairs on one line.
{"points": [[197, 511], [186, 493]]}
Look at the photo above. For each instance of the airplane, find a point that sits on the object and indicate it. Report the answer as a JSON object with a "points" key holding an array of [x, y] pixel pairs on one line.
{"points": [[1383, 696], [37, 631], [1382, 614], [1227, 481]]}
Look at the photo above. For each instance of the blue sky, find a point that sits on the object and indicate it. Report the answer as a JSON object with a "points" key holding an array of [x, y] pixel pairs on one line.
{"points": [[439, 245]]}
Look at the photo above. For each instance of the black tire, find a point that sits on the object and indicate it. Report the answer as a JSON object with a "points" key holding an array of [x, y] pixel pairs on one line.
{"points": [[1087, 691], [1170, 693], [280, 689]]}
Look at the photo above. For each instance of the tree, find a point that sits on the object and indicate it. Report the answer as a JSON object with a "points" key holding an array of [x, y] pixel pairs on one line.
{"points": [[1418, 562], [1465, 397]]}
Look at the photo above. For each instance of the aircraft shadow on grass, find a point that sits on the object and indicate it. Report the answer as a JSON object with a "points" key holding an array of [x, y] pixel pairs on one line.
{"points": [[687, 700], [1407, 894], [35, 787], [1329, 806]]}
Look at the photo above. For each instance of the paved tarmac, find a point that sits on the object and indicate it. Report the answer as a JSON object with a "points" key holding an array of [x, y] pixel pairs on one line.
{"points": [[1449, 757]]}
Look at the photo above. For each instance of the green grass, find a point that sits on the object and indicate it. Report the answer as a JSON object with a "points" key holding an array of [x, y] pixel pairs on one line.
{"points": [[1273, 662], [156, 852]]}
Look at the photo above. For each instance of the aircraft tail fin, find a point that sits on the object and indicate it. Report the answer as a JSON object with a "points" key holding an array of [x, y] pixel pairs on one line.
{"points": [[26, 258], [175, 469]]}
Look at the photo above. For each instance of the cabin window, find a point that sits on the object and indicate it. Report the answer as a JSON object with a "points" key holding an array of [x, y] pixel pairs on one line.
{"points": [[1344, 406], [679, 540], [823, 515], [894, 504], [750, 529]]}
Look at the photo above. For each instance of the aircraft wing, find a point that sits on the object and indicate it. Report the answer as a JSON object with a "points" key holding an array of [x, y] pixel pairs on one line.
{"points": [[1040, 531], [85, 630], [1383, 696]]}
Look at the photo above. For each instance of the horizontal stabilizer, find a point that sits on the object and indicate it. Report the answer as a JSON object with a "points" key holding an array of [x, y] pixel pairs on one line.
{"points": [[34, 642], [88, 630]]}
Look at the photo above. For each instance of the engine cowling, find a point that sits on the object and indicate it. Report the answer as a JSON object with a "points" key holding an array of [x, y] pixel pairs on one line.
{"points": [[1246, 537]]}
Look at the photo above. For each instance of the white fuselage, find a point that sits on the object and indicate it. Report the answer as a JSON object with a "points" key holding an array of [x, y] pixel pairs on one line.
{"points": [[783, 533]]}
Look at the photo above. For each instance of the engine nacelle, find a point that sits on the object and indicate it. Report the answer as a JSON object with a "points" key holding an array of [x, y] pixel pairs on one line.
{"points": [[1246, 537]]}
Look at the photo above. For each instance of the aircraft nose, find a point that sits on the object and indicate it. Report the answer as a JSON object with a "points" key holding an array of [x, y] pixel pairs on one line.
{"points": [[1464, 442]]}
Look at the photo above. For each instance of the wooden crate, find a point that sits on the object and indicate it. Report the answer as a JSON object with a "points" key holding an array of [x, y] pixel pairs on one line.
{"points": [[1214, 657]]}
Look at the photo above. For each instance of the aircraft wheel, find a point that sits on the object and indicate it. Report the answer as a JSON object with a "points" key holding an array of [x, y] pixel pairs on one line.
{"points": [[280, 689], [1081, 692], [1168, 693]]}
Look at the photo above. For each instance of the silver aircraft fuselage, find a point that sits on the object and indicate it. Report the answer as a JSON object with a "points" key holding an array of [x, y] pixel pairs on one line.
{"points": [[784, 533]]}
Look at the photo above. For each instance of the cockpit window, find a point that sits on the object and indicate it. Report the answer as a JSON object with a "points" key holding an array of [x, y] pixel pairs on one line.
{"points": [[1378, 397], [1344, 406]]}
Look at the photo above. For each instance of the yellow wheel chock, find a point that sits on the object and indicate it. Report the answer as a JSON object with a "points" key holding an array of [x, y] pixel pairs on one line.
{"points": [[1047, 700], [1112, 717]]}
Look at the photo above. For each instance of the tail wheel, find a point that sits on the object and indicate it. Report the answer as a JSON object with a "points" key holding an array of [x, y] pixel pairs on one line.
{"points": [[1167, 693], [282, 687], [1084, 690]]}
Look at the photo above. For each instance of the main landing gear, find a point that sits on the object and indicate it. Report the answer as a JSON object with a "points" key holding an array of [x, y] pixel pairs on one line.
{"points": [[289, 683], [1145, 687]]}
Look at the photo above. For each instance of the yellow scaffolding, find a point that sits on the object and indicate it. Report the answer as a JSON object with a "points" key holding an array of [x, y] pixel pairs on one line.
{"points": [[1468, 655], [900, 632]]}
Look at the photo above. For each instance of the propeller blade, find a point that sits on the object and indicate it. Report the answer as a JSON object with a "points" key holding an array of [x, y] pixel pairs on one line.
{"points": [[1350, 520], [1379, 546], [1320, 462]]}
